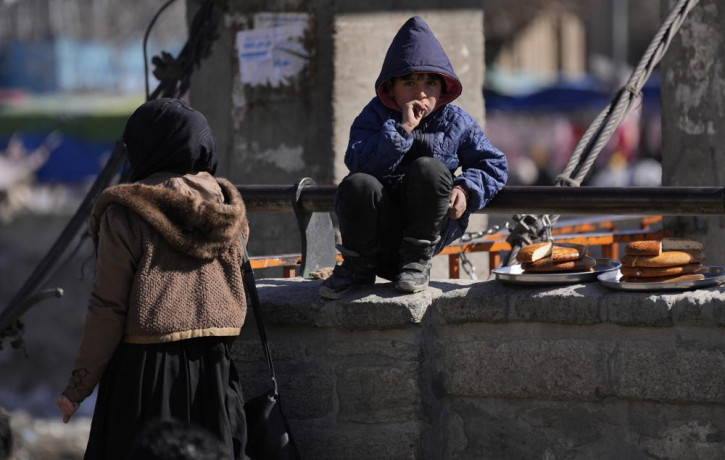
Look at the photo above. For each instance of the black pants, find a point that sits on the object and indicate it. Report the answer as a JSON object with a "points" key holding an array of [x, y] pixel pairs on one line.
{"points": [[375, 215]]}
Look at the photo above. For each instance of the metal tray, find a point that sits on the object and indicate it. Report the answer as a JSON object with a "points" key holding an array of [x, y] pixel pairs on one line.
{"points": [[515, 274], [713, 275]]}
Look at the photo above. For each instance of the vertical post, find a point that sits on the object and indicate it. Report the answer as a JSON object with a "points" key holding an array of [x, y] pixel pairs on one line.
{"points": [[454, 266], [693, 119], [316, 234]]}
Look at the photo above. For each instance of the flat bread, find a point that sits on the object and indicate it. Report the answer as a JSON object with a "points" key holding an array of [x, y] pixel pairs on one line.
{"points": [[562, 252], [648, 272], [666, 259], [549, 266], [643, 248], [534, 252], [663, 279], [681, 244]]}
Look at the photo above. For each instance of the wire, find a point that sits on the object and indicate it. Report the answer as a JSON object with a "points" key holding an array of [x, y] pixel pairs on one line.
{"points": [[145, 40]]}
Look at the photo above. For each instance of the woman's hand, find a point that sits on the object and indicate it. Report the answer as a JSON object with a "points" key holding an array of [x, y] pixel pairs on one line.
{"points": [[66, 406], [457, 202]]}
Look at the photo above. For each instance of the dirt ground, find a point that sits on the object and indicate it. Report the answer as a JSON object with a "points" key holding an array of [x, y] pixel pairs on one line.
{"points": [[48, 439]]}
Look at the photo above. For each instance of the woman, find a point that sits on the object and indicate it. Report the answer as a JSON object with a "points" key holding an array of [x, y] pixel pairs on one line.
{"points": [[168, 297]]}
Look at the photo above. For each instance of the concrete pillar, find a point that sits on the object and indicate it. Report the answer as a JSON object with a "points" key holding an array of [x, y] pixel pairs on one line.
{"points": [[693, 116], [281, 116]]}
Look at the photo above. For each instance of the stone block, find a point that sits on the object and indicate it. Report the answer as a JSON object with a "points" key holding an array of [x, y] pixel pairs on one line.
{"points": [[479, 302], [570, 304], [379, 394], [703, 307], [609, 429], [637, 309], [396, 347], [675, 372], [522, 368], [375, 307], [354, 441], [306, 390], [497, 429]]}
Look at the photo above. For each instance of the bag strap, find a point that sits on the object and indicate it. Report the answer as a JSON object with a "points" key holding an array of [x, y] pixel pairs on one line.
{"points": [[251, 288]]}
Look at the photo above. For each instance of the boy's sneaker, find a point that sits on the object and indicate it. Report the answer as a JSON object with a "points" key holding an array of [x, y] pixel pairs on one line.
{"points": [[347, 277], [413, 277], [415, 262]]}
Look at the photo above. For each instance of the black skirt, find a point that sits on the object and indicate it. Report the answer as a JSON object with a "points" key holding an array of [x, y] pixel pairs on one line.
{"points": [[193, 381]]}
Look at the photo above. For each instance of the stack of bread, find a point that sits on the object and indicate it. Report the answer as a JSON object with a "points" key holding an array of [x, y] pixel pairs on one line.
{"points": [[665, 260], [550, 257]]}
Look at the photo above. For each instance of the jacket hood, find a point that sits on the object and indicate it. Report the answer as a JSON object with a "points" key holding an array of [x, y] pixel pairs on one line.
{"points": [[416, 49], [182, 214]]}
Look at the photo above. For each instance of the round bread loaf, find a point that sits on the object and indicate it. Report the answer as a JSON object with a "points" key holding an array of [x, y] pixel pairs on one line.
{"points": [[663, 279], [643, 248], [535, 251], [647, 272], [666, 259], [547, 265]]}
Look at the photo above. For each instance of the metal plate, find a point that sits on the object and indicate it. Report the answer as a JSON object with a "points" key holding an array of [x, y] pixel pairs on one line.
{"points": [[515, 274], [713, 275]]}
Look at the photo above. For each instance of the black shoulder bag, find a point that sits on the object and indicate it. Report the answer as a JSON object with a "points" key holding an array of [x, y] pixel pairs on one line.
{"points": [[268, 433]]}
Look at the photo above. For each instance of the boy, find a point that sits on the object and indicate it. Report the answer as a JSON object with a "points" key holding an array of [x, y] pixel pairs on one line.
{"points": [[401, 203]]}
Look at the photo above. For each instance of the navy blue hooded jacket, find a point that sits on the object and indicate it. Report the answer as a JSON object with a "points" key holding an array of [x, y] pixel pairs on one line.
{"points": [[379, 145]]}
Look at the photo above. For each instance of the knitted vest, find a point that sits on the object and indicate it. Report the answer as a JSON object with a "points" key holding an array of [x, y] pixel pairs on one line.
{"points": [[188, 281]]}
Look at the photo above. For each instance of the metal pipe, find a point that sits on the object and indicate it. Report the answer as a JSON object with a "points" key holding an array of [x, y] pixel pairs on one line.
{"points": [[666, 201]]}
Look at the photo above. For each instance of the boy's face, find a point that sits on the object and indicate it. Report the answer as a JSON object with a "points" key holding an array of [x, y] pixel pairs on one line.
{"points": [[418, 86]]}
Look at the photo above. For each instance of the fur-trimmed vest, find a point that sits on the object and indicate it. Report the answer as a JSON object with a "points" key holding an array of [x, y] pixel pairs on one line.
{"points": [[187, 281]]}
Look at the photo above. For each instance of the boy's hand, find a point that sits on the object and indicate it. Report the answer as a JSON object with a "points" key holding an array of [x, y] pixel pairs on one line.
{"points": [[413, 112], [457, 203], [66, 406]]}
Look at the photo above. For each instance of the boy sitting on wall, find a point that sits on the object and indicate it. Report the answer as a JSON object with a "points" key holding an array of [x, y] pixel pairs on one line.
{"points": [[401, 203]]}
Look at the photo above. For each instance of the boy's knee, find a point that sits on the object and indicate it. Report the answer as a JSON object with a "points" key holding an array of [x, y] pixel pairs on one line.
{"points": [[429, 169], [359, 188]]}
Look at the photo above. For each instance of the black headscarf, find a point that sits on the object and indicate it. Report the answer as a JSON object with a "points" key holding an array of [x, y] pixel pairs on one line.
{"points": [[168, 135]]}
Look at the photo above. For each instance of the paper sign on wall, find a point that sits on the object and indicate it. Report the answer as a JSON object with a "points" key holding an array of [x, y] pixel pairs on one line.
{"points": [[273, 52]]}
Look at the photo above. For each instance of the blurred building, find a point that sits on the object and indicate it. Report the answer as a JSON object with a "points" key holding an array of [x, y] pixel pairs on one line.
{"points": [[81, 45], [552, 67]]}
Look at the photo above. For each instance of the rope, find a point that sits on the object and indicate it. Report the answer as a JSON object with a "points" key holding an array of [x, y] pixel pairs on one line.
{"points": [[602, 128]]}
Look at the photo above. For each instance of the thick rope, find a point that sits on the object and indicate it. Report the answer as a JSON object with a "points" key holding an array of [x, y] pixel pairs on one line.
{"points": [[602, 128]]}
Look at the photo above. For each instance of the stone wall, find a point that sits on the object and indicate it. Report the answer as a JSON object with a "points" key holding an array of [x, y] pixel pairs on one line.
{"points": [[485, 370]]}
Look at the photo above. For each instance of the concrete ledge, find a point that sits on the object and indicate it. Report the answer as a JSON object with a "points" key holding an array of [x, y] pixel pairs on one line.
{"points": [[295, 302], [486, 370]]}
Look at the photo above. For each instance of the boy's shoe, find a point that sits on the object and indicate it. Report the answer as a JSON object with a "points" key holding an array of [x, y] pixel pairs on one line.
{"points": [[415, 262], [413, 277], [347, 277]]}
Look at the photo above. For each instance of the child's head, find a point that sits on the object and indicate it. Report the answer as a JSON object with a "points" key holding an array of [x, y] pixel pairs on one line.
{"points": [[422, 86], [168, 135], [415, 50]]}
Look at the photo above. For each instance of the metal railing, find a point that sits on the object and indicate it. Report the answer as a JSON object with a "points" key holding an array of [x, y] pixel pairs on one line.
{"points": [[313, 203]]}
